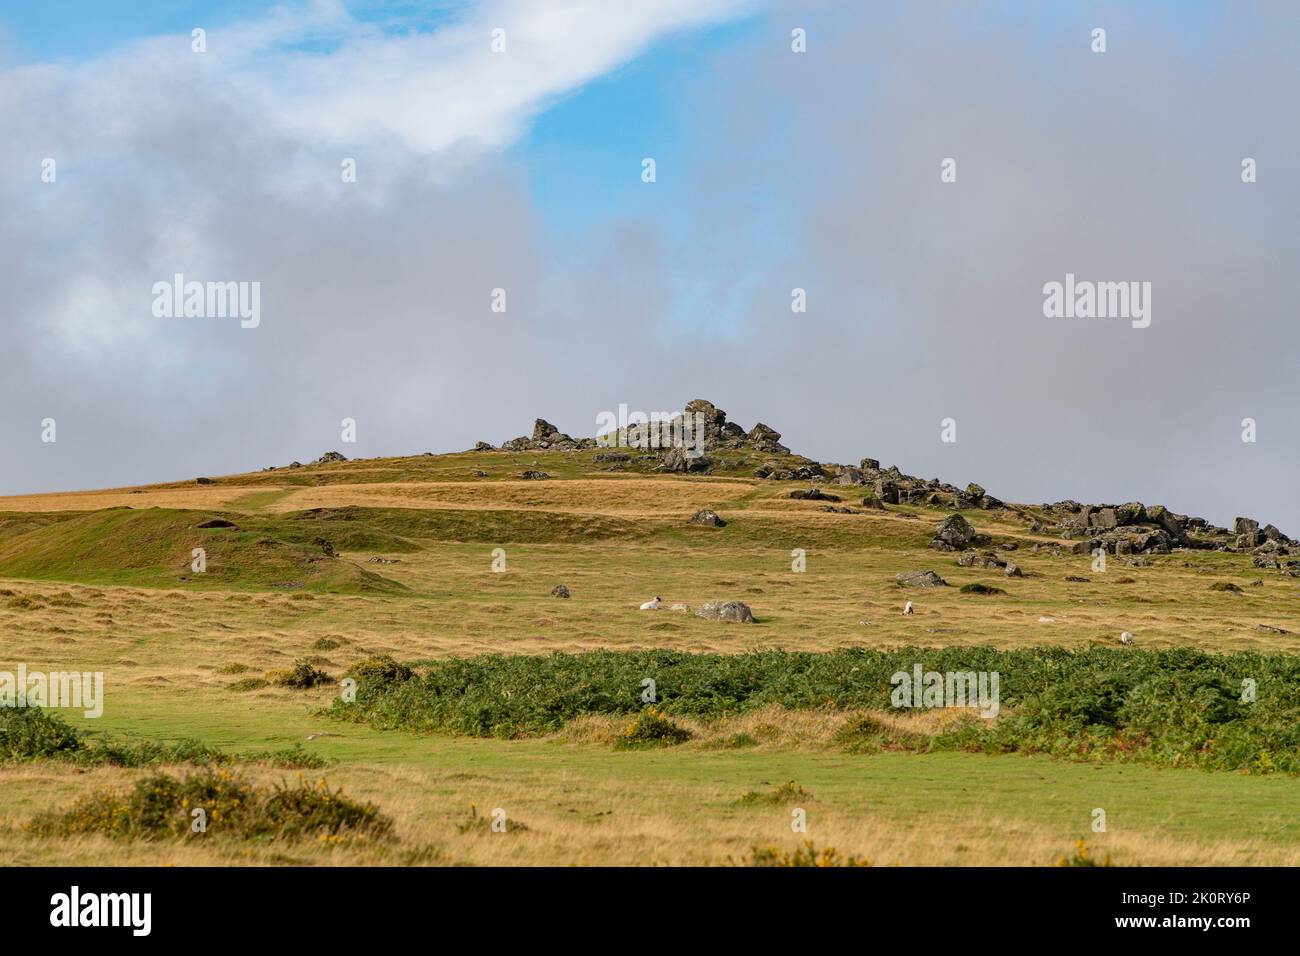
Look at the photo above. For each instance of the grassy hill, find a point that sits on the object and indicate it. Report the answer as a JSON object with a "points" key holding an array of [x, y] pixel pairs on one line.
{"points": [[328, 565]]}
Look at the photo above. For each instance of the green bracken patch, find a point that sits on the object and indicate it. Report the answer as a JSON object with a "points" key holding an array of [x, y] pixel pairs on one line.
{"points": [[1176, 707], [33, 733]]}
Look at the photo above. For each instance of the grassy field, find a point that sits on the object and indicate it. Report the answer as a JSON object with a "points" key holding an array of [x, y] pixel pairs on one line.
{"points": [[102, 581]]}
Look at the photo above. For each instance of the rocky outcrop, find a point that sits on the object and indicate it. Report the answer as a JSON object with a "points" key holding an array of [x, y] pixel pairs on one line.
{"points": [[1135, 528]]}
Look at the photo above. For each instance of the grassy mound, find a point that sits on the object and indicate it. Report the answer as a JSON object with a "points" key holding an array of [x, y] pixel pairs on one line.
{"points": [[1175, 707], [162, 806], [154, 548]]}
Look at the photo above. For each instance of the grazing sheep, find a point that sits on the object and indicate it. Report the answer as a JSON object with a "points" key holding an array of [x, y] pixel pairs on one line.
{"points": [[1126, 639], [652, 605], [908, 609]]}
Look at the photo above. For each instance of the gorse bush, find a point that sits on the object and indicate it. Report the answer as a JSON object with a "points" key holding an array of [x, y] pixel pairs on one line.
{"points": [[651, 728], [379, 670], [300, 677], [30, 733], [806, 854], [162, 806], [1175, 707]]}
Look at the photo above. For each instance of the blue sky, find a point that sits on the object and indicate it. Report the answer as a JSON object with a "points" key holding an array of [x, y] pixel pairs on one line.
{"points": [[775, 171]]}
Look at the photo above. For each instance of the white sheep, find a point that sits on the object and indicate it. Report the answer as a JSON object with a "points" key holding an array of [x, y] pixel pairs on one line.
{"points": [[1126, 639], [652, 605], [908, 609]]}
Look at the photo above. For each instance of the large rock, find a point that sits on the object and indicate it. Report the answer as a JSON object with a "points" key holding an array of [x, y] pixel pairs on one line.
{"points": [[920, 579], [707, 517], [1103, 519], [726, 611], [812, 494], [848, 475], [886, 491], [1134, 512], [953, 534], [766, 439], [677, 459], [543, 428]]}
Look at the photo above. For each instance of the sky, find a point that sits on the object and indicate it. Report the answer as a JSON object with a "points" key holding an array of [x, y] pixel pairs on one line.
{"points": [[522, 170]]}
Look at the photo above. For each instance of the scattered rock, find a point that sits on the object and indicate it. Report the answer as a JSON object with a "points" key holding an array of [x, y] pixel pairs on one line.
{"points": [[203, 481], [483, 446], [1271, 629], [535, 475], [707, 517], [920, 579], [812, 494], [328, 457], [378, 560], [326, 548], [953, 534], [726, 611], [560, 591]]}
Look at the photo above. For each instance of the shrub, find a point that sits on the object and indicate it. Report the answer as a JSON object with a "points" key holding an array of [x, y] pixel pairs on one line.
{"points": [[788, 792], [1081, 856], [978, 588], [248, 683], [806, 854], [300, 677], [379, 671], [161, 806], [1225, 586], [650, 729], [473, 823], [29, 733]]}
